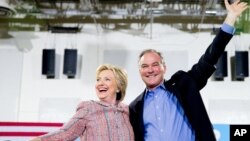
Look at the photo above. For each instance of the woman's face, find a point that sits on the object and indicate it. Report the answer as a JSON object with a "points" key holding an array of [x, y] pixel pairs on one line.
{"points": [[106, 86]]}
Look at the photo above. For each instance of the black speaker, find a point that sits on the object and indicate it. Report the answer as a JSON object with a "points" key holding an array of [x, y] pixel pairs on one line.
{"points": [[221, 67], [70, 62], [241, 65], [48, 63]]}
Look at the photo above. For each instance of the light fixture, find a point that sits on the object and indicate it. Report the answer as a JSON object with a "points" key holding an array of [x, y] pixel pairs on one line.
{"points": [[63, 29], [6, 10]]}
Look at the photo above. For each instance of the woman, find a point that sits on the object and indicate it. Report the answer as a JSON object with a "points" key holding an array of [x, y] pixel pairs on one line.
{"points": [[103, 120]]}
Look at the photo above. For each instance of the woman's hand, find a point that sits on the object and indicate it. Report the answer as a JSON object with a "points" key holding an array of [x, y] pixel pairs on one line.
{"points": [[36, 139]]}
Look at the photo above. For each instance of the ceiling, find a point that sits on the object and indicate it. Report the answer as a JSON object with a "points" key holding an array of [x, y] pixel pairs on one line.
{"points": [[186, 15]]}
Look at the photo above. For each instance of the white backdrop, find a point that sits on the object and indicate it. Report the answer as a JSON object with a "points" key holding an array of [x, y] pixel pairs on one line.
{"points": [[40, 96]]}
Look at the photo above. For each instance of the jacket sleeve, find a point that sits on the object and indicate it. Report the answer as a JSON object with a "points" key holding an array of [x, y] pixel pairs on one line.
{"points": [[70, 130], [136, 117], [205, 67]]}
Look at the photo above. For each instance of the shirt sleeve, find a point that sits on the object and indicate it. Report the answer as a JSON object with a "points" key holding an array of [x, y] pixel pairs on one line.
{"points": [[228, 28]]}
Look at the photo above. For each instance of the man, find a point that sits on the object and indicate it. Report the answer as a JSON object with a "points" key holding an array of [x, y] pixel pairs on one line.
{"points": [[173, 110]]}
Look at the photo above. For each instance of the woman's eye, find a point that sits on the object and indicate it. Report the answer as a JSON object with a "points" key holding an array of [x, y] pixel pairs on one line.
{"points": [[107, 79]]}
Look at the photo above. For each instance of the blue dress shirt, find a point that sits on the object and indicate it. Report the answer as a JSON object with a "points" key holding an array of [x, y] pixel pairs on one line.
{"points": [[163, 117]]}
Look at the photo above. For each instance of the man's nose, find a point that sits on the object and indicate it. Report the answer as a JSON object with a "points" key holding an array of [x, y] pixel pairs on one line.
{"points": [[150, 69]]}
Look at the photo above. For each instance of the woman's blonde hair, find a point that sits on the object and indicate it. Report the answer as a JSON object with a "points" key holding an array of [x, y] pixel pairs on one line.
{"points": [[121, 78]]}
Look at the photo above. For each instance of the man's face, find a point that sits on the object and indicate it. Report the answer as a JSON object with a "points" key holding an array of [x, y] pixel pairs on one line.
{"points": [[151, 69]]}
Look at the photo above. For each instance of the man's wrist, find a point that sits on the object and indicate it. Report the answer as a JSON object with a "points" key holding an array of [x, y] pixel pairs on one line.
{"points": [[230, 19]]}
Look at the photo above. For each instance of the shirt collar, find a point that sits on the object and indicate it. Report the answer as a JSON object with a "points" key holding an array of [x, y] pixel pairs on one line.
{"points": [[107, 104], [117, 105], [159, 87]]}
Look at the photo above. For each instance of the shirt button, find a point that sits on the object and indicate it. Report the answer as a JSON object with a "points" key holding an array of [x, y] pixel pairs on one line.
{"points": [[161, 130], [159, 118]]}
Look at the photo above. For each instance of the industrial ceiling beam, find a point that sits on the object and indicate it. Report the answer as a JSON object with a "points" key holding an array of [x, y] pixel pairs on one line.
{"points": [[171, 19]]}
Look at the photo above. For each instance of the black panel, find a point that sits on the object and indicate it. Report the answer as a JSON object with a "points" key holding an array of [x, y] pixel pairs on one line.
{"points": [[48, 63], [221, 67], [70, 62], [241, 65]]}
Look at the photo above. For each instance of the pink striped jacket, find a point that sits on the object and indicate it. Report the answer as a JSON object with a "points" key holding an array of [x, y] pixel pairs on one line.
{"points": [[95, 121]]}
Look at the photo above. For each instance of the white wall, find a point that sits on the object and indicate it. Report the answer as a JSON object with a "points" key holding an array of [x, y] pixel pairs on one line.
{"points": [[44, 99], [10, 80]]}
